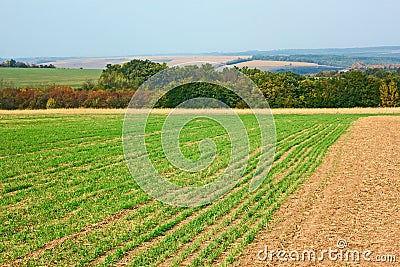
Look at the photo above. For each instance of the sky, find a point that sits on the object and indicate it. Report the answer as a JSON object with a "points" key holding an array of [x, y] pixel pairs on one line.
{"points": [[90, 28]]}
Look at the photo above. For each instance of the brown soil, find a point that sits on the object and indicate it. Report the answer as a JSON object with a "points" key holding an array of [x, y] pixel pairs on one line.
{"points": [[353, 196]]}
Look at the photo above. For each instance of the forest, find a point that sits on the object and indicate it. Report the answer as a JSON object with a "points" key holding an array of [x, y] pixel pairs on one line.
{"points": [[118, 83]]}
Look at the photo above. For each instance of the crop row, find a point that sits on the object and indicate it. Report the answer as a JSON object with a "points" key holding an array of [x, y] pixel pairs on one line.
{"points": [[61, 184]]}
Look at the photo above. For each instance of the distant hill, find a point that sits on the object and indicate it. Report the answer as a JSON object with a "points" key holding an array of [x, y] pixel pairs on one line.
{"points": [[42, 60], [336, 57], [326, 59], [378, 51]]}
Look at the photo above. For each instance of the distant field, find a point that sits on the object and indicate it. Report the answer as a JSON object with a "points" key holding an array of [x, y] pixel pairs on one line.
{"points": [[284, 66], [273, 63], [101, 62], [36, 77]]}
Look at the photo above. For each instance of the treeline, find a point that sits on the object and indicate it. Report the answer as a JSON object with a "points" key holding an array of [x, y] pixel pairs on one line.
{"points": [[354, 88], [62, 97], [17, 64], [117, 83], [239, 60]]}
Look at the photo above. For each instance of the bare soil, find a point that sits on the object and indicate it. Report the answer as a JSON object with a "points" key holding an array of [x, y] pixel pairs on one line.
{"points": [[353, 197]]}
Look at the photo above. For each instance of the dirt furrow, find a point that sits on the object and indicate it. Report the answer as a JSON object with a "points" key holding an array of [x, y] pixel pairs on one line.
{"points": [[351, 203]]}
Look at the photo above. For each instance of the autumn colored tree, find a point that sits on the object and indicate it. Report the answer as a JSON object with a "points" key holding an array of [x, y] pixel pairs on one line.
{"points": [[64, 97], [51, 103], [24, 99], [389, 94], [8, 98], [96, 99], [31, 98]]}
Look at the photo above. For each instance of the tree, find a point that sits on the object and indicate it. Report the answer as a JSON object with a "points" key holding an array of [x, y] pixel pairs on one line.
{"points": [[371, 94], [96, 99], [88, 85], [130, 75], [12, 63], [24, 99], [8, 98], [51, 103], [389, 94], [64, 96]]}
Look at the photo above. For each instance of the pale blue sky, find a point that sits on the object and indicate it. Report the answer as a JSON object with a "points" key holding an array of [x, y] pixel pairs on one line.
{"points": [[32, 28]]}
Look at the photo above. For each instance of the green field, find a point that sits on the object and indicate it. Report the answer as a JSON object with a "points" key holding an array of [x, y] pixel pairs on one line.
{"points": [[67, 197], [32, 77]]}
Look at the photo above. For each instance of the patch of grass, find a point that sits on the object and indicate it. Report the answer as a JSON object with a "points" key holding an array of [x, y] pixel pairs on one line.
{"points": [[32, 77], [16, 188]]}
